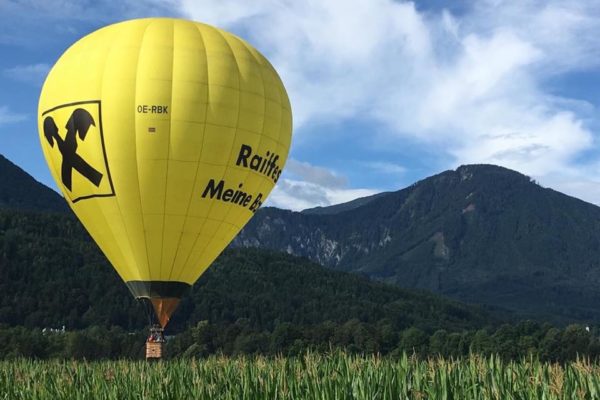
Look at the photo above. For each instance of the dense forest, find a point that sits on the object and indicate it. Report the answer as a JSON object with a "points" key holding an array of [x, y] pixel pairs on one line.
{"points": [[509, 341], [53, 274], [250, 301], [480, 234], [59, 297], [18, 190]]}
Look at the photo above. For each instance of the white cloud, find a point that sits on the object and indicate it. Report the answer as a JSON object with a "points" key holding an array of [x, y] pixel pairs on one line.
{"points": [[7, 116], [309, 186], [581, 187], [472, 86], [315, 175], [299, 195], [535, 144], [227, 12], [329, 53], [34, 73], [563, 29]]}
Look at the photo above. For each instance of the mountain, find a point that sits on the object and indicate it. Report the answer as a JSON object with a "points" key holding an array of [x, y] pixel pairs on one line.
{"points": [[339, 208], [52, 274], [481, 234], [19, 190]]}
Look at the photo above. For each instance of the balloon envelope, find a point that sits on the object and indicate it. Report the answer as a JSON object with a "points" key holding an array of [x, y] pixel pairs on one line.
{"points": [[164, 136]]}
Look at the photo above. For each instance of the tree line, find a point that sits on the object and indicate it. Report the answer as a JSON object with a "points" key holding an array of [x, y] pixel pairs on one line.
{"points": [[250, 301], [509, 341]]}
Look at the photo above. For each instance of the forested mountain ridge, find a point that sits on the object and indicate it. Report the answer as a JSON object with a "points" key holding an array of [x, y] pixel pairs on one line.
{"points": [[249, 301], [20, 191], [53, 274], [481, 233]]}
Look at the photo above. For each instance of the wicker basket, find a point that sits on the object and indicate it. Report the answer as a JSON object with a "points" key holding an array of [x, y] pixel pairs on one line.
{"points": [[154, 350]]}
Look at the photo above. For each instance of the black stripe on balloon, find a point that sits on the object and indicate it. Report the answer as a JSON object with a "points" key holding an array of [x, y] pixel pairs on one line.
{"points": [[157, 289]]}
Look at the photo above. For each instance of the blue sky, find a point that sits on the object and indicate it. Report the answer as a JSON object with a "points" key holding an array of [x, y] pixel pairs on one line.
{"points": [[384, 92]]}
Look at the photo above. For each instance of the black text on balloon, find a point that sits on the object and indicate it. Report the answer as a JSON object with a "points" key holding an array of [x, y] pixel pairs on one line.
{"points": [[152, 109], [266, 165], [236, 196]]}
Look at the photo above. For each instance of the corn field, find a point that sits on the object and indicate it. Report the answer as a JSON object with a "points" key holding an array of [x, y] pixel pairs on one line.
{"points": [[313, 376]]}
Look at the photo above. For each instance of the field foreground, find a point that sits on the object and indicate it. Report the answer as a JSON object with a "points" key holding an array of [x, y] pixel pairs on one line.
{"points": [[337, 376]]}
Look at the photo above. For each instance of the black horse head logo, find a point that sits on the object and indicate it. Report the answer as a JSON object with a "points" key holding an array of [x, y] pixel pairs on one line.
{"points": [[77, 126]]}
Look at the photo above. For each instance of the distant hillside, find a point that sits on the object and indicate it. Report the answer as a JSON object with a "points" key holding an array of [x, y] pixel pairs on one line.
{"points": [[19, 190], [482, 233], [343, 207], [52, 274]]}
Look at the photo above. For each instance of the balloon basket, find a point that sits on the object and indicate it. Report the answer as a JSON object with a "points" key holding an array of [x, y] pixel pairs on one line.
{"points": [[155, 344]]}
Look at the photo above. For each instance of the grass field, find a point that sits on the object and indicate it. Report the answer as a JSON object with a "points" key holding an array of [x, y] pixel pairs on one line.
{"points": [[337, 376]]}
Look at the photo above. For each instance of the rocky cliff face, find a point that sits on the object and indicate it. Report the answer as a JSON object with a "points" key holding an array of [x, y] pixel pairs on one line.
{"points": [[481, 233]]}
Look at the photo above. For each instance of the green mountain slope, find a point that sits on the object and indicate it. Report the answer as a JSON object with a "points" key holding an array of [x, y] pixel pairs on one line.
{"points": [[52, 274], [19, 190], [482, 233], [343, 207]]}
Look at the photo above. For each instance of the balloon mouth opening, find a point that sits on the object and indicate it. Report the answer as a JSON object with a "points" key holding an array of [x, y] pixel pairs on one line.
{"points": [[163, 295], [164, 308]]}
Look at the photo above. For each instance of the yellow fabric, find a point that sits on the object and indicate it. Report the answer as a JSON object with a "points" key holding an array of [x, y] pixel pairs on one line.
{"points": [[174, 104]]}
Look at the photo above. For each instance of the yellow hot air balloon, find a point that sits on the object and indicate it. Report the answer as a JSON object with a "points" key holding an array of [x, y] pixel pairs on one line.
{"points": [[165, 136]]}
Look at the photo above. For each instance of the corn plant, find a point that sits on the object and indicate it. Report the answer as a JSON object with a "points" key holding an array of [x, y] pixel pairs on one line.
{"points": [[312, 376]]}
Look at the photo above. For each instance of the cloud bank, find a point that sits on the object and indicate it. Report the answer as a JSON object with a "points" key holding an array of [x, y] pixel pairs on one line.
{"points": [[477, 85], [306, 186], [492, 81]]}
